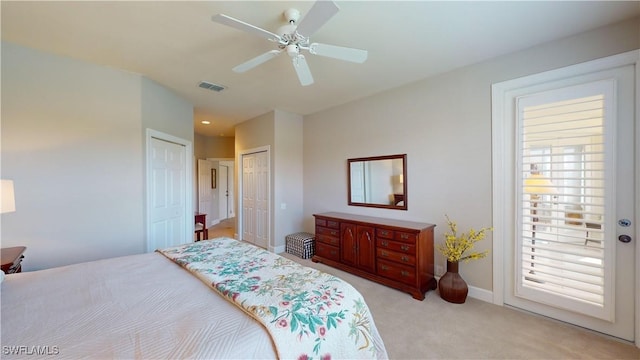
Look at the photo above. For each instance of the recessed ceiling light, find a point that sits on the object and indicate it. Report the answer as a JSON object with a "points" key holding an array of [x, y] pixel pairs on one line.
{"points": [[206, 122]]}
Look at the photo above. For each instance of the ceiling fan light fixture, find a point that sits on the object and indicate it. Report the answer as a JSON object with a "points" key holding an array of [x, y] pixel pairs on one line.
{"points": [[294, 39], [292, 50]]}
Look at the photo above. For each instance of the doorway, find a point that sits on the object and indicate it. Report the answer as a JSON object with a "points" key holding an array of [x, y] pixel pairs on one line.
{"points": [[564, 195], [215, 190], [226, 185]]}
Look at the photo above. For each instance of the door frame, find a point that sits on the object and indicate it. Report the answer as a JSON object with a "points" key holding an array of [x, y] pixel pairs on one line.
{"points": [[210, 220], [231, 164], [503, 141], [188, 181], [239, 167]]}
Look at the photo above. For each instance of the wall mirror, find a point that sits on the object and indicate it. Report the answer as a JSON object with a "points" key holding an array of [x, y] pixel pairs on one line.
{"points": [[378, 181]]}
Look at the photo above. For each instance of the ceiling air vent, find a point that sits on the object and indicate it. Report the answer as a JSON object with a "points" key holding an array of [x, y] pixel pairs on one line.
{"points": [[210, 86]]}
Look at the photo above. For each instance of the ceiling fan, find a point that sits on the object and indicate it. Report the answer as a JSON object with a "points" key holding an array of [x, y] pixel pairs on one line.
{"points": [[293, 38]]}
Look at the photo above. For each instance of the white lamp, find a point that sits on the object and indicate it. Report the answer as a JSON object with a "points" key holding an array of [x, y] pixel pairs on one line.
{"points": [[8, 197]]}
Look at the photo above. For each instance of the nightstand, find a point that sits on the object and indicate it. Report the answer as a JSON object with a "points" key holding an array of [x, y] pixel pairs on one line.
{"points": [[12, 259]]}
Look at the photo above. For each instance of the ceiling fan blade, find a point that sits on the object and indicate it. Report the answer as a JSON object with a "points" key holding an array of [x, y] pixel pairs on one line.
{"points": [[317, 16], [339, 52], [248, 65], [241, 25], [302, 69]]}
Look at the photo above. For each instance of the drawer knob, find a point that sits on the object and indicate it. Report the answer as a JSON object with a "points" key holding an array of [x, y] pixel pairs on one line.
{"points": [[404, 273], [405, 259], [383, 267], [404, 247], [384, 253], [385, 243], [404, 236]]}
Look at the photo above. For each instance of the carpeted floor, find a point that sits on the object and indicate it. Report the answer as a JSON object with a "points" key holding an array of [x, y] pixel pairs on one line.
{"points": [[436, 329]]}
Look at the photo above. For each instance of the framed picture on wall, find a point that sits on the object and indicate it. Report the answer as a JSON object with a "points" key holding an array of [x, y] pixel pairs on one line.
{"points": [[213, 178]]}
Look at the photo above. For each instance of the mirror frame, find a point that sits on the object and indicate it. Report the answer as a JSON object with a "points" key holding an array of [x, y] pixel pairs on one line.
{"points": [[373, 158]]}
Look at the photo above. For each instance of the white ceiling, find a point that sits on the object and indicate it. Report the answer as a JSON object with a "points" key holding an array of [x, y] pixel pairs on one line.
{"points": [[177, 45]]}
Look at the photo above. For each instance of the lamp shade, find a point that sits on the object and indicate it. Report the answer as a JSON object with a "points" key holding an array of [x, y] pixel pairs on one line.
{"points": [[8, 197], [538, 184]]}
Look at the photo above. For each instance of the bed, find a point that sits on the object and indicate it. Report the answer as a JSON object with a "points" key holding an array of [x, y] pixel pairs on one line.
{"points": [[214, 299]]}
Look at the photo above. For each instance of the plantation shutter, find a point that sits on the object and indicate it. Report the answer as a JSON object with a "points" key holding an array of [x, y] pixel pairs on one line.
{"points": [[562, 211]]}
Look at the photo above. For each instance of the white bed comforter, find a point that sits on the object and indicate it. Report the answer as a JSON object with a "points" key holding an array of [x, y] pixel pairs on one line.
{"points": [[309, 314], [139, 306]]}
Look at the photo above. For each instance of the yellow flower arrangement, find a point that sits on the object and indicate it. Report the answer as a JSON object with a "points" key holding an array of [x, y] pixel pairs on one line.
{"points": [[455, 245]]}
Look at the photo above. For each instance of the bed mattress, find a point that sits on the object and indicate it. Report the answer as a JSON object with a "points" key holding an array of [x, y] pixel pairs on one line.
{"points": [[140, 306]]}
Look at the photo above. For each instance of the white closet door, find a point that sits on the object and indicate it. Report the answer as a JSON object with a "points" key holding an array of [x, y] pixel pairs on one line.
{"points": [[168, 195], [255, 198]]}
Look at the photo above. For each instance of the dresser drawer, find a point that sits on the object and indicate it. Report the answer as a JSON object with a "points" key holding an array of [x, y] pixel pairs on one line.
{"points": [[333, 224], [404, 248], [393, 271], [328, 223], [406, 237], [328, 251], [329, 240], [384, 233], [397, 257], [327, 231]]}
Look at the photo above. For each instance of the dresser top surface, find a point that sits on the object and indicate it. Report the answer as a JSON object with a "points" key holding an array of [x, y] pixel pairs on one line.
{"points": [[376, 220]]}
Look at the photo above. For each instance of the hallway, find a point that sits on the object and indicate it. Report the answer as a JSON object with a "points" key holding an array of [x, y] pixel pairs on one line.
{"points": [[226, 228]]}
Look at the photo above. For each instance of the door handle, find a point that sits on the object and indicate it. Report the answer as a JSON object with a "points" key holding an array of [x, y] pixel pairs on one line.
{"points": [[624, 238]]}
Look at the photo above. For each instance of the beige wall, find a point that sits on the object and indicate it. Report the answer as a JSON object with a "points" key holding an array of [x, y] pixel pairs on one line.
{"points": [[219, 147], [164, 111], [443, 124], [282, 132], [288, 171], [73, 142]]}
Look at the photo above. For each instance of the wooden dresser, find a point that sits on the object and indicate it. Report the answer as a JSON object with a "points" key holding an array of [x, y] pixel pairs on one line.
{"points": [[12, 259], [395, 253]]}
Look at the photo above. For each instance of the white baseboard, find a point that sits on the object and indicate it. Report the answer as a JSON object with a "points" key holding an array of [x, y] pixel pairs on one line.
{"points": [[481, 294], [279, 249]]}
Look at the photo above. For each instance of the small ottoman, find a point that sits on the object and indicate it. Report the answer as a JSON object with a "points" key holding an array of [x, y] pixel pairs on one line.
{"points": [[301, 244]]}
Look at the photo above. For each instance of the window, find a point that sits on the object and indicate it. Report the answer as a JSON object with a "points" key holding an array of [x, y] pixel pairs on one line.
{"points": [[562, 192]]}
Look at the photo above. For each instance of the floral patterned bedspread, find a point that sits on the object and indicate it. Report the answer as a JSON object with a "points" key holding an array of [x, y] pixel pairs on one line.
{"points": [[309, 314]]}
